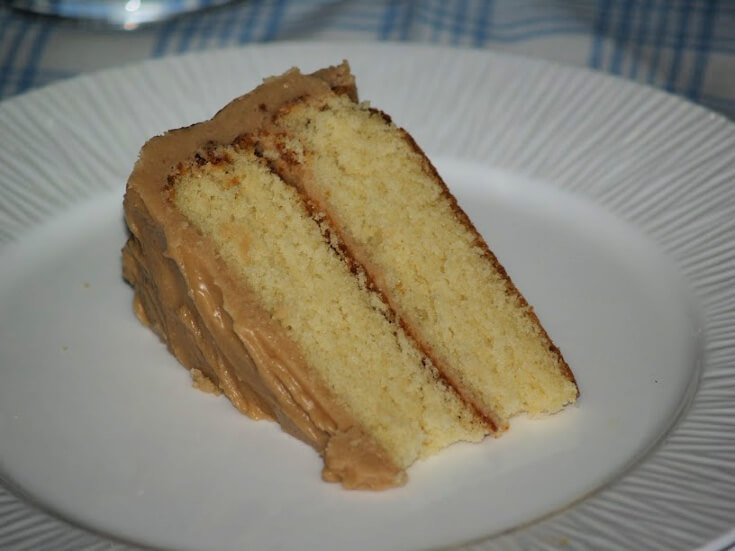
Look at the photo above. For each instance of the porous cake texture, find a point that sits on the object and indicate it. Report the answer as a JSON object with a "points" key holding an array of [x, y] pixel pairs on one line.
{"points": [[301, 253]]}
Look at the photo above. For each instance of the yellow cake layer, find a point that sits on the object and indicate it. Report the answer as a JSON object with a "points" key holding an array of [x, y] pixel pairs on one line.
{"points": [[402, 225], [261, 228]]}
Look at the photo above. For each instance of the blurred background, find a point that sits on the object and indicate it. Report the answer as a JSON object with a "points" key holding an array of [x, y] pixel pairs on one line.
{"points": [[686, 47]]}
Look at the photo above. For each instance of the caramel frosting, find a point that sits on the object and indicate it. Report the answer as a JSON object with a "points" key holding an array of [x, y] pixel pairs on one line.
{"points": [[211, 321]]}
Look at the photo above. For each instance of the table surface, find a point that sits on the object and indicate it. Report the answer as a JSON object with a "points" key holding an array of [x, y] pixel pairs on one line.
{"points": [[685, 47]]}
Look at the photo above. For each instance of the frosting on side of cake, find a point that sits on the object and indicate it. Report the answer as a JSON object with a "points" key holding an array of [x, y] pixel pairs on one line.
{"points": [[185, 294]]}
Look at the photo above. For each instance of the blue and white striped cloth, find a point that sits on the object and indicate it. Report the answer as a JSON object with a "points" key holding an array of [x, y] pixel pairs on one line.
{"points": [[686, 47]]}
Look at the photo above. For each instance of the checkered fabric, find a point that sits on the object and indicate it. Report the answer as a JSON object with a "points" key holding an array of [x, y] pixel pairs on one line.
{"points": [[683, 46]]}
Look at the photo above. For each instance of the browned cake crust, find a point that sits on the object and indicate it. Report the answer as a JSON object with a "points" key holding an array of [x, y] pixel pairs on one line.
{"points": [[210, 320]]}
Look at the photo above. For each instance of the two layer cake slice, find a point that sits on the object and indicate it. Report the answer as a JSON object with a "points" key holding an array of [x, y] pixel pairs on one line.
{"points": [[301, 253]]}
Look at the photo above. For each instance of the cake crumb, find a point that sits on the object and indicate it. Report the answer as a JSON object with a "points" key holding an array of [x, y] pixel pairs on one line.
{"points": [[202, 382]]}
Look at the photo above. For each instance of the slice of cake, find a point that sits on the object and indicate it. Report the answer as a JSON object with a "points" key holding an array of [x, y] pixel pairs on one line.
{"points": [[300, 253]]}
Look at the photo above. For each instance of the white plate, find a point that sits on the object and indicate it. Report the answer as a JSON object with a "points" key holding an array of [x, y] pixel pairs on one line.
{"points": [[611, 205]]}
